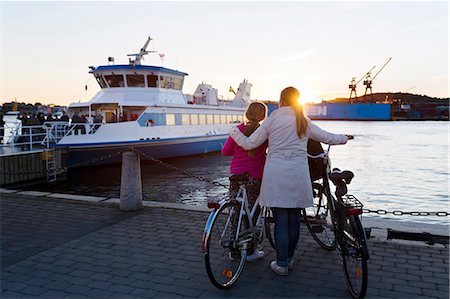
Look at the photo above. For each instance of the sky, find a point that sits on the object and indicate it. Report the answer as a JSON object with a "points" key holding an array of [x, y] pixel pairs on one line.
{"points": [[46, 47]]}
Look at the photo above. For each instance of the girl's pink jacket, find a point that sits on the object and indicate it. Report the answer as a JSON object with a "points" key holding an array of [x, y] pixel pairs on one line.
{"points": [[241, 162]]}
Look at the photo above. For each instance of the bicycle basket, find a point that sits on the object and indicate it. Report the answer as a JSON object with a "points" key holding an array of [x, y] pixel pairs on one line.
{"points": [[352, 205]]}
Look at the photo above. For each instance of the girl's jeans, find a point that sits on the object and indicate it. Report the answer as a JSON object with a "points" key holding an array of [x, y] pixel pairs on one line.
{"points": [[287, 232]]}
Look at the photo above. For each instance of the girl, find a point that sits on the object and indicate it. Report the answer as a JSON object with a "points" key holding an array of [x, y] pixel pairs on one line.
{"points": [[248, 161], [286, 185]]}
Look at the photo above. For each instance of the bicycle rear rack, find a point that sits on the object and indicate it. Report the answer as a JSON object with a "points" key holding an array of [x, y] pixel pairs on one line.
{"points": [[352, 205]]}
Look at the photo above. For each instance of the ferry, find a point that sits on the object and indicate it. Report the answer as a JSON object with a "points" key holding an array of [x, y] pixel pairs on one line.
{"points": [[143, 107]]}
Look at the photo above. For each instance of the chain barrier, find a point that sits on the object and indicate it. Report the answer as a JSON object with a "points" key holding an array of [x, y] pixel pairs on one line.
{"points": [[187, 173], [401, 213], [203, 179]]}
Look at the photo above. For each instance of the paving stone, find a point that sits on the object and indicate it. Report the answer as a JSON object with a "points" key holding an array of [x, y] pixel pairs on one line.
{"points": [[57, 285], [54, 294]]}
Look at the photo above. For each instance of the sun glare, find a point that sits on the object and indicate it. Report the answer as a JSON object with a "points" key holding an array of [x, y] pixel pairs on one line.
{"points": [[308, 96]]}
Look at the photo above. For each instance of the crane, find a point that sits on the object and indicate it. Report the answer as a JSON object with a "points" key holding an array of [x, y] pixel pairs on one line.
{"points": [[369, 79], [354, 83], [140, 55]]}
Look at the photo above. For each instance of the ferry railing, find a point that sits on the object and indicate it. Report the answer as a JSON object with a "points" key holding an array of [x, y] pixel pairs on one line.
{"points": [[55, 131], [83, 128], [16, 135]]}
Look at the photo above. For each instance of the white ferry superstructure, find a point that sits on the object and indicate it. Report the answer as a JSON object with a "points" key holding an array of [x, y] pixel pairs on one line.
{"points": [[144, 107]]}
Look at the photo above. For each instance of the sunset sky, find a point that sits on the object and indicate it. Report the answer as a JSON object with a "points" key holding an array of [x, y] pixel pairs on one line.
{"points": [[318, 47]]}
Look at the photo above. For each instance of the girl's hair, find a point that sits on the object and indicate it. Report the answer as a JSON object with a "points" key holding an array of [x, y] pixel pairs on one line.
{"points": [[255, 113], [289, 97]]}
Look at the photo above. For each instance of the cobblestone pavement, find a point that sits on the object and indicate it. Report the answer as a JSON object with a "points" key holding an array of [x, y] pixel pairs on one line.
{"points": [[60, 249]]}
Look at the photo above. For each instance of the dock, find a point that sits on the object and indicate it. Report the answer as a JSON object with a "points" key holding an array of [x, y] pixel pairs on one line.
{"points": [[68, 246]]}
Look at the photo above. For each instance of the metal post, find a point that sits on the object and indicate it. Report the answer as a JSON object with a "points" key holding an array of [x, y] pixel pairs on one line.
{"points": [[131, 183]]}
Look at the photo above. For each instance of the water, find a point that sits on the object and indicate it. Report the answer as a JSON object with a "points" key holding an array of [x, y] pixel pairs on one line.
{"points": [[398, 166]]}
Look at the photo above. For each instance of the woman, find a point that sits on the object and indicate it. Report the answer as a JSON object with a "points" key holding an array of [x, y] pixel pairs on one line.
{"points": [[250, 162], [286, 185]]}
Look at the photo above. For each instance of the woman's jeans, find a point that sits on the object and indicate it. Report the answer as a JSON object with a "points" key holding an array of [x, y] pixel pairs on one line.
{"points": [[287, 232]]}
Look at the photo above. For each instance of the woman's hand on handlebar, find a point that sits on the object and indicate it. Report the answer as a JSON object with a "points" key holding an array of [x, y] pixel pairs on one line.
{"points": [[350, 137]]}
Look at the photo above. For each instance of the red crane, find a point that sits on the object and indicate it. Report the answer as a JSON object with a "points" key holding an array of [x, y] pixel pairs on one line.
{"points": [[353, 85]]}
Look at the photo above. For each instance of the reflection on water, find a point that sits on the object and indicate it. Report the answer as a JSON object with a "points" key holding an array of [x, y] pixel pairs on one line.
{"points": [[397, 165]]}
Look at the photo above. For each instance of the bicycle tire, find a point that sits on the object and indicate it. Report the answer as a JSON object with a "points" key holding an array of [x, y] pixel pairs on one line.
{"points": [[269, 227], [318, 218], [224, 260], [355, 256]]}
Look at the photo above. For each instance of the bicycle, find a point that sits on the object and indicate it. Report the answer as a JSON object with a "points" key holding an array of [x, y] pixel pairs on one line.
{"points": [[230, 235], [334, 222]]}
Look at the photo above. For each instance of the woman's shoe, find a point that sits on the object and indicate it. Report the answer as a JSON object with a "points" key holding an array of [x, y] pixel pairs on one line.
{"points": [[258, 254], [283, 271]]}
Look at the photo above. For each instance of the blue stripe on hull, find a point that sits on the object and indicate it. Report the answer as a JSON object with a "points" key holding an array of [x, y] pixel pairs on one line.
{"points": [[83, 156]]}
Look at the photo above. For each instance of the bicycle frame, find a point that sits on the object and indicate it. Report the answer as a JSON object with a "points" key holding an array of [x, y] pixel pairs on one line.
{"points": [[242, 199]]}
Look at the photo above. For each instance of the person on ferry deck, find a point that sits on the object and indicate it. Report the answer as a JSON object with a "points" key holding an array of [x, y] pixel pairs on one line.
{"points": [[249, 162], [64, 117], [286, 184]]}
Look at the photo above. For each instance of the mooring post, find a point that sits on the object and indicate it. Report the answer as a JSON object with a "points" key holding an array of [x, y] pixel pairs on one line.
{"points": [[131, 183]]}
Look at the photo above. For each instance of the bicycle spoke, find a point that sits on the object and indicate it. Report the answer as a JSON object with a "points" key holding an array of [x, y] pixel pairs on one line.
{"points": [[354, 257], [318, 218]]}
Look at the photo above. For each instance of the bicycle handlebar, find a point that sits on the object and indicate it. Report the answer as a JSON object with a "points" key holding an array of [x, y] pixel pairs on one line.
{"points": [[322, 155]]}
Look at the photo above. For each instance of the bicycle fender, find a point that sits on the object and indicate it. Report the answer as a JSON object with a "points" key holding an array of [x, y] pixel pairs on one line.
{"points": [[207, 229]]}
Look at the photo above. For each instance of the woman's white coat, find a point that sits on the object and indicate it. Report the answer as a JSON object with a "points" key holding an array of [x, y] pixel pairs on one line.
{"points": [[286, 182]]}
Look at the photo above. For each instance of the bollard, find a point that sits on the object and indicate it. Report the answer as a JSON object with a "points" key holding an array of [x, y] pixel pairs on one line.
{"points": [[130, 182]]}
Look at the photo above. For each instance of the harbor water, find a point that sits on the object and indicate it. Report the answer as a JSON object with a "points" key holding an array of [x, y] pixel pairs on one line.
{"points": [[397, 165]]}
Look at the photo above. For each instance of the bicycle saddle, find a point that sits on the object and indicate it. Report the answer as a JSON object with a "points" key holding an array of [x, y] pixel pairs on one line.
{"points": [[239, 177], [338, 175], [340, 179]]}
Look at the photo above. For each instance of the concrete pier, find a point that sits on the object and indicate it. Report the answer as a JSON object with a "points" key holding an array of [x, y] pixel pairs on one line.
{"points": [[20, 166], [77, 248]]}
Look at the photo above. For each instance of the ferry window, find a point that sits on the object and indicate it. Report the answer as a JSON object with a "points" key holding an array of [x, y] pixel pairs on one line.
{"points": [[216, 118], [223, 119], [194, 119], [152, 80], [115, 80], [166, 82], [101, 82], [202, 119], [234, 118], [177, 83], [229, 119], [210, 118], [185, 119], [240, 118], [135, 81], [170, 119]]}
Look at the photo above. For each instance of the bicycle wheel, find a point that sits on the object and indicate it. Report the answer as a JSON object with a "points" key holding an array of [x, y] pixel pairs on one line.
{"points": [[225, 255], [355, 256], [318, 218], [269, 227]]}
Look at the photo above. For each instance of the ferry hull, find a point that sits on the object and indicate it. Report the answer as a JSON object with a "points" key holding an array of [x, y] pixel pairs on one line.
{"points": [[357, 111], [86, 155], [345, 111]]}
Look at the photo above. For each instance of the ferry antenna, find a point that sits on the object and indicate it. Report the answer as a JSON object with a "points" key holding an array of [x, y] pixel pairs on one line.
{"points": [[139, 56]]}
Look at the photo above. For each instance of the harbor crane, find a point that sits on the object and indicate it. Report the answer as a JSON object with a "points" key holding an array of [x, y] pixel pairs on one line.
{"points": [[354, 83], [140, 55], [369, 79]]}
